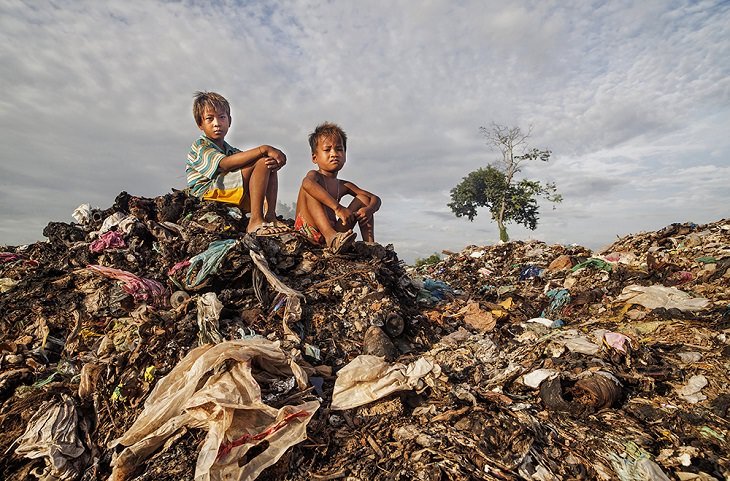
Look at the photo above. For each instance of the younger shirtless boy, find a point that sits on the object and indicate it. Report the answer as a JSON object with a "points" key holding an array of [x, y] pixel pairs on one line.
{"points": [[320, 216]]}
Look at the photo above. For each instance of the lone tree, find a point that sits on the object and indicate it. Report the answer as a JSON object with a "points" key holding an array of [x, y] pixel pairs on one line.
{"points": [[495, 186]]}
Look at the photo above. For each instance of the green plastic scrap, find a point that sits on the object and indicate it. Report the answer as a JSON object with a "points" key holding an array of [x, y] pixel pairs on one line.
{"points": [[45, 381], [708, 432], [235, 213], [707, 260], [636, 451], [210, 217], [637, 464], [312, 351], [550, 334], [502, 290], [592, 262], [149, 374], [117, 394]]}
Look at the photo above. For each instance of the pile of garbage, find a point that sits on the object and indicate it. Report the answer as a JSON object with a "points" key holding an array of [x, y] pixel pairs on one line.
{"points": [[156, 340]]}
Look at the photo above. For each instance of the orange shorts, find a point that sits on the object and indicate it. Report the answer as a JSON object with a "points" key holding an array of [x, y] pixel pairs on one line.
{"points": [[312, 234]]}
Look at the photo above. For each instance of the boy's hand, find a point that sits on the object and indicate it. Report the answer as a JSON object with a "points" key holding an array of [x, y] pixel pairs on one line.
{"points": [[343, 213], [361, 214], [274, 158], [273, 164]]}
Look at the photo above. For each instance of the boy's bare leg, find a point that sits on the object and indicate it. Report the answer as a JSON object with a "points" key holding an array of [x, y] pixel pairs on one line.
{"points": [[367, 229], [367, 226], [315, 214], [272, 190], [255, 183]]}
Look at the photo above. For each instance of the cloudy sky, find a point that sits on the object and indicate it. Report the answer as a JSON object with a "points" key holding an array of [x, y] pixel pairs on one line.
{"points": [[632, 97]]}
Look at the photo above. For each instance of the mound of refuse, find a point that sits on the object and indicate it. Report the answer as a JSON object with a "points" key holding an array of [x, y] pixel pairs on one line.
{"points": [[156, 340]]}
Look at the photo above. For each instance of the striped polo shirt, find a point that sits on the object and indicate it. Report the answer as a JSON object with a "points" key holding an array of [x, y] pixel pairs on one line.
{"points": [[202, 165]]}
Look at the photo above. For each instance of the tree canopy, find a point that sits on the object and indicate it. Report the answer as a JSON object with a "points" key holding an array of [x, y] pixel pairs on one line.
{"points": [[496, 188]]}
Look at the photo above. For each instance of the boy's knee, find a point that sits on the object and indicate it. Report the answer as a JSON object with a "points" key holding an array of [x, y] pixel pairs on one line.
{"points": [[260, 170]]}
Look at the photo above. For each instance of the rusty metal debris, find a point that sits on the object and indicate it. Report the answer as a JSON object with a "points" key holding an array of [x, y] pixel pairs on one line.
{"points": [[514, 361]]}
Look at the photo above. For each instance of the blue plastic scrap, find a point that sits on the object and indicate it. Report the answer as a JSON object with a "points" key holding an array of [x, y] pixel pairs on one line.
{"points": [[530, 272], [210, 259], [434, 291], [560, 297], [438, 289]]}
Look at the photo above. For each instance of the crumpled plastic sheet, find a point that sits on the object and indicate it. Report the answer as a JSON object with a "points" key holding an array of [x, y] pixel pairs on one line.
{"points": [[112, 239], [593, 262], [213, 388], [438, 289], [52, 433], [115, 220], [6, 284], [209, 310], [166, 231], [530, 272], [576, 342], [369, 378], [9, 257], [617, 341], [627, 258], [178, 266], [82, 214], [535, 378], [293, 306], [653, 297], [690, 392], [559, 298], [141, 289], [641, 469]]}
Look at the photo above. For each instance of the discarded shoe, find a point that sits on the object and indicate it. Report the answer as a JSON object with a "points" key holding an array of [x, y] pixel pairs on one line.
{"points": [[377, 343], [598, 391], [394, 324], [592, 393]]}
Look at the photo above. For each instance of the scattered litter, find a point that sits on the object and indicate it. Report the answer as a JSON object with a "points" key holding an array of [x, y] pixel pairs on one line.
{"points": [[204, 352]]}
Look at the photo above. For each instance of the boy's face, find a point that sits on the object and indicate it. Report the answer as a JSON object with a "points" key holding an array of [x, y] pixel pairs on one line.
{"points": [[215, 124], [330, 154]]}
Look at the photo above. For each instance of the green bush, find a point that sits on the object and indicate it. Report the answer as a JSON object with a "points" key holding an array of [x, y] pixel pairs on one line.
{"points": [[427, 261]]}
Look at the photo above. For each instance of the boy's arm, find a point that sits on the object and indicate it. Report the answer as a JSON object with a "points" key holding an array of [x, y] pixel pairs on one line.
{"points": [[371, 201], [274, 158], [320, 194]]}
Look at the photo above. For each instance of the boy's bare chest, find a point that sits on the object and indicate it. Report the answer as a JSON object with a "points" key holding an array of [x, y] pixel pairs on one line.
{"points": [[332, 186]]}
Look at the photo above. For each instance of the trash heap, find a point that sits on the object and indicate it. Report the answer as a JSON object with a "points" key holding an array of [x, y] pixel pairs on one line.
{"points": [[156, 340]]}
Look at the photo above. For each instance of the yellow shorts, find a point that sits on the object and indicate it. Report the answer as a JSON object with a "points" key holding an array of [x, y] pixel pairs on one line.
{"points": [[228, 188]]}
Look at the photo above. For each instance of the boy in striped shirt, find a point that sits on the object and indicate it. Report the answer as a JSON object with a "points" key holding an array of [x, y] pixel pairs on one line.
{"points": [[218, 172]]}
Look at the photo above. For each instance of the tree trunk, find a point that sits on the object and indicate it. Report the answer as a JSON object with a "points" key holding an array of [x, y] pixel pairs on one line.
{"points": [[500, 222], [502, 232]]}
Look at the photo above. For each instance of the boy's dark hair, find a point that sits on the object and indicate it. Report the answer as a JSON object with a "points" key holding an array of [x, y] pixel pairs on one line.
{"points": [[209, 99], [327, 130]]}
